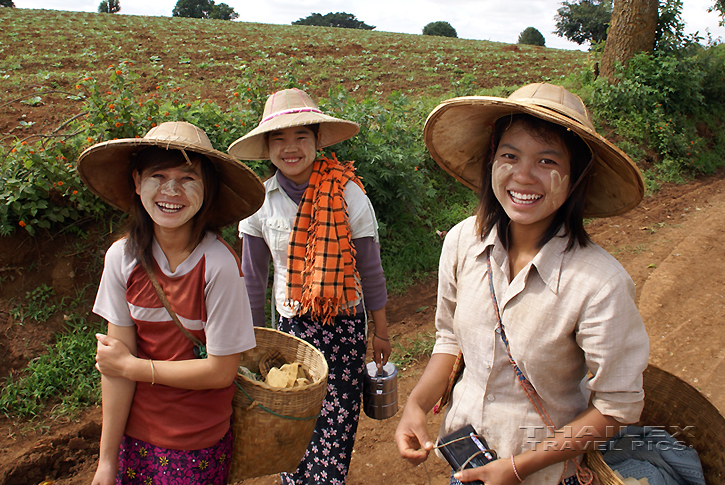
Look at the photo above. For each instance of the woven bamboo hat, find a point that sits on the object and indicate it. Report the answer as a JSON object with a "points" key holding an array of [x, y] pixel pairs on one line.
{"points": [[105, 169], [285, 109], [459, 129]]}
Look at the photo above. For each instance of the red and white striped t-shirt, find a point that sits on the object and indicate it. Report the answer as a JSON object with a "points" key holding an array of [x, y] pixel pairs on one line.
{"points": [[208, 294]]}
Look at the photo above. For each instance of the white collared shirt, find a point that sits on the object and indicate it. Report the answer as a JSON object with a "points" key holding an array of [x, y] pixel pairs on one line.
{"points": [[564, 314]]}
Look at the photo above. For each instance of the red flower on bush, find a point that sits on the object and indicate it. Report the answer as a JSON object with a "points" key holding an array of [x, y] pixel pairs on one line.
{"points": [[21, 224]]}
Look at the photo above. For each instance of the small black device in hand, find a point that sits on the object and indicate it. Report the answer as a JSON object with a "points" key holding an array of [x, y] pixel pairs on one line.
{"points": [[465, 448]]}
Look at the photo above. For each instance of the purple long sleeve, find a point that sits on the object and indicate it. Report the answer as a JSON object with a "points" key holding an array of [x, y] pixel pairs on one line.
{"points": [[371, 272], [255, 266]]}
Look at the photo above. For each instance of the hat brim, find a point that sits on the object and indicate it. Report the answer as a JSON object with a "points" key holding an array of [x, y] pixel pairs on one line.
{"points": [[458, 132], [104, 168], [332, 130]]}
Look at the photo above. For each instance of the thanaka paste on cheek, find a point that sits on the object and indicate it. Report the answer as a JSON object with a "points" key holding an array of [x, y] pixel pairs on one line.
{"points": [[149, 187], [559, 186], [194, 197], [499, 173]]}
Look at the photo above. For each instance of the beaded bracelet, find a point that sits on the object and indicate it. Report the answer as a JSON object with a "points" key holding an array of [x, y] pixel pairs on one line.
{"points": [[513, 465]]}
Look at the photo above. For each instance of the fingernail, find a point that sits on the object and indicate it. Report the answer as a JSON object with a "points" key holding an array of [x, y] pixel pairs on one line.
{"points": [[458, 475], [98, 335]]}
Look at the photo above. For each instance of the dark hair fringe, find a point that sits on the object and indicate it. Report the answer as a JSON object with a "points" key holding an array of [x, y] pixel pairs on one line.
{"points": [[570, 215], [140, 227], [271, 170]]}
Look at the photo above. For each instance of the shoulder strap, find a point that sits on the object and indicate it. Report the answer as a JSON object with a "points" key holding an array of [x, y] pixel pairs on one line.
{"points": [[525, 383], [584, 475], [199, 348]]}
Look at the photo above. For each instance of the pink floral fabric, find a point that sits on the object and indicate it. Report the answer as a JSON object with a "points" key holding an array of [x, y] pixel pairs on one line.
{"points": [[141, 463]]}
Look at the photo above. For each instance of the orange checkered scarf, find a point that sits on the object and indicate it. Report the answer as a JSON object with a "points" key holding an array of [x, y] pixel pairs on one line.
{"points": [[321, 271]]}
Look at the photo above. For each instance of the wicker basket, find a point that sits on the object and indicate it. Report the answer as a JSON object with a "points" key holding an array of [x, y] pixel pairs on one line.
{"points": [[272, 427], [686, 414]]}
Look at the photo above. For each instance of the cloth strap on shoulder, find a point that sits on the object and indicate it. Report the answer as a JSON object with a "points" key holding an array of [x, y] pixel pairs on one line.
{"points": [[199, 347]]}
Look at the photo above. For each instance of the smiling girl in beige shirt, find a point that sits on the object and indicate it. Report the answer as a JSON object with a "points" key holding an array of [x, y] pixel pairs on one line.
{"points": [[566, 306]]}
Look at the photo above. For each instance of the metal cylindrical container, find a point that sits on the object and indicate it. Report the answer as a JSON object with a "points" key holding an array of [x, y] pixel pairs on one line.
{"points": [[380, 391]]}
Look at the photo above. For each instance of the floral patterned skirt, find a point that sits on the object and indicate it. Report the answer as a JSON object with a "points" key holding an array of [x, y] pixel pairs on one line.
{"points": [[141, 463], [343, 344]]}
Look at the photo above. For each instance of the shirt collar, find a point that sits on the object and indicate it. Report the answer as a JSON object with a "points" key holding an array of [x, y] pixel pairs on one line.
{"points": [[547, 262]]}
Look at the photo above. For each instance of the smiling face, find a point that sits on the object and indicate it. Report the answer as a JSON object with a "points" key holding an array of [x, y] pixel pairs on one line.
{"points": [[292, 150], [172, 196], [530, 177]]}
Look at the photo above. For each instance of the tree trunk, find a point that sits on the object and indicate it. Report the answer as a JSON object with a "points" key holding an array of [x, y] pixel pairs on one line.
{"points": [[632, 30]]}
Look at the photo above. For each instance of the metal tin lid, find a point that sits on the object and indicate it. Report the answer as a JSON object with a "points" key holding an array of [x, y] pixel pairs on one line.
{"points": [[388, 371]]}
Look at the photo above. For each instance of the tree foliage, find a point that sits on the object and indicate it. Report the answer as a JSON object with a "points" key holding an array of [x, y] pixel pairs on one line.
{"points": [[109, 6], [584, 20], [204, 9], [338, 19], [531, 36], [719, 7], [223, 11], [7, 3], [440, 28]]}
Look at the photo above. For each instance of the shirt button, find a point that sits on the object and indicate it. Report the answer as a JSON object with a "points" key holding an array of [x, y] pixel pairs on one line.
{"points": [[491, 397], [488, 366]]}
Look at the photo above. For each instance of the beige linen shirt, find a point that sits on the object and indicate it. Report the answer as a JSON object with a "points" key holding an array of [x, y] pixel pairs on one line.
{"points": [[564, 314]]}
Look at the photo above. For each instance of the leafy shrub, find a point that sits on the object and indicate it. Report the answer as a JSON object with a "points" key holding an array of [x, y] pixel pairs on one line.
{"points": [[531, 36], [109, 6], [40, 187], [42, 190], [339, 19], [672, 104], [203, 9], [440, 28]]}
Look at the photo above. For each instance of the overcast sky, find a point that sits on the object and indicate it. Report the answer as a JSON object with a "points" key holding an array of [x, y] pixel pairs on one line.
{"points": [[495, 20]]}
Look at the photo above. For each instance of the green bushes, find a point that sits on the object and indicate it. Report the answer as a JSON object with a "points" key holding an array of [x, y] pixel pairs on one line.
{"points": [[440, 28], [673, 106], [41, 188], [531, 36]]}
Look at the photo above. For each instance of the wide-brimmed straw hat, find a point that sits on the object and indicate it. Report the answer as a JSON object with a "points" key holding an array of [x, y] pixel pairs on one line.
{"points": [[105, 167], [458, 131], [285, 109]]}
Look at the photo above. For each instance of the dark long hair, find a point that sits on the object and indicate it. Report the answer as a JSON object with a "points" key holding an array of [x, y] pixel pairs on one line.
{"points": [[140, 229], [491, 214]]}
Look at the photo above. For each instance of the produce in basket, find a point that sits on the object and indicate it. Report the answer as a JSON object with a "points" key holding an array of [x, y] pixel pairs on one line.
{"points": [[289, 375]]}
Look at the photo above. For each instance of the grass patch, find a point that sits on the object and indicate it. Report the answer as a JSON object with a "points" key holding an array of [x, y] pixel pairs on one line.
{"points": [[411, 350], [65, 375]]}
